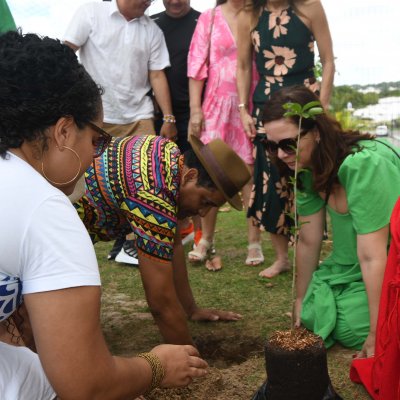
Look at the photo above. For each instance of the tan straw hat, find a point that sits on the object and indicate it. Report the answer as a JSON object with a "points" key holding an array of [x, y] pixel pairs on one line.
{"points": [[226, 169]]}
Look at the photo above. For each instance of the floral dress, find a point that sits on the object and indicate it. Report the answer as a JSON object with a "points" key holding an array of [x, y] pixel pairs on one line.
{"points": [[284, 48], [213, 38]]}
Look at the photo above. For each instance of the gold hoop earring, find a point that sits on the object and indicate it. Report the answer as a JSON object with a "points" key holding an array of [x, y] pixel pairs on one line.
{"points": [[70, 181]]}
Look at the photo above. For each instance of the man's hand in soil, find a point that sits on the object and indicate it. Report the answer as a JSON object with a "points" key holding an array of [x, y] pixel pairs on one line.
{"points": [[210, 314]]}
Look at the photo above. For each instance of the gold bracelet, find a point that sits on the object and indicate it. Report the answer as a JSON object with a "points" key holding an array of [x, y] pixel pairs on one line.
{"points": [[157, 370], [169, 118]]}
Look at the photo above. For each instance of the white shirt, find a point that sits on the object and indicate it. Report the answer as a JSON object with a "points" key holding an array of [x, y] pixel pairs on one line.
{"points": [[43, 242], [118, 55], [45, 245], [30, 381]]}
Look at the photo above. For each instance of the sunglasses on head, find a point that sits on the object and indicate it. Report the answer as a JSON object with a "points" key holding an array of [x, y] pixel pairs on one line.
{"points": [[289, 146], [101, 142]]}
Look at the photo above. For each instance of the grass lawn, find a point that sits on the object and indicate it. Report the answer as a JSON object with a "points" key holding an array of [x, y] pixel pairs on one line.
{"points": [[233, 350]]}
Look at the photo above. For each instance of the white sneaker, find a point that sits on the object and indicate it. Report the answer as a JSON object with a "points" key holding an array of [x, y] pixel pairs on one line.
{"points": [[123, 257]]}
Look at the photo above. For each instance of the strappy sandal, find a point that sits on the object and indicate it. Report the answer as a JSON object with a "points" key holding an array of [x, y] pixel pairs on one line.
{"points": [[254, 261], [196, 256]]}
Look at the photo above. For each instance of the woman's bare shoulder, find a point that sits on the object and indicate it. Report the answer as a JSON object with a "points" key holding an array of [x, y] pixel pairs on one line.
{"points": [[311, 10], [247, 19]]}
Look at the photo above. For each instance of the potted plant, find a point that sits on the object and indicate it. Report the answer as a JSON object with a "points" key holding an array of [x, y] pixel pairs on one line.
{"points": [[296, 360]]}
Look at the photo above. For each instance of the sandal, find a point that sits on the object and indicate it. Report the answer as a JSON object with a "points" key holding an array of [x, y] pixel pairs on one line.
{"points": [[254, 261], [196, 256]]}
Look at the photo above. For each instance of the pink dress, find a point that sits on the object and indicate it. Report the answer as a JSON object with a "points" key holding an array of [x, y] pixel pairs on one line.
{"points": [[220, 104]]}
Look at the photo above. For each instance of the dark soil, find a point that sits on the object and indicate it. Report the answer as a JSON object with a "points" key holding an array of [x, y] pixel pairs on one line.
{"points": [[234, 370]]}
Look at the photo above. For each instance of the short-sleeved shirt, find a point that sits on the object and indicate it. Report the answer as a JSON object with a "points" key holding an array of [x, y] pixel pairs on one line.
{"points": [[119, 54], [43, 244], [371, 179], [134, 186]]}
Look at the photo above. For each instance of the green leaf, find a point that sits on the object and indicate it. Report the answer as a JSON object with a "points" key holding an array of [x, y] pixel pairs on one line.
{"points": [[316, 111], [293, 107], [312, 104]]}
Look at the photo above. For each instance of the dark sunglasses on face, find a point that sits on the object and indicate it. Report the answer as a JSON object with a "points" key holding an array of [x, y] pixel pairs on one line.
{"points": [[288, 146], [101, 142]]}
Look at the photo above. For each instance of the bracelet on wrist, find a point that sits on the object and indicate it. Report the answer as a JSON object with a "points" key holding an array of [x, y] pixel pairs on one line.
{"points": [[242, 106], [169, 118], [157, 370]]}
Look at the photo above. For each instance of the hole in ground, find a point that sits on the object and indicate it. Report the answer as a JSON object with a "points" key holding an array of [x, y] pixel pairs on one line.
{"points": [[229, 350]]}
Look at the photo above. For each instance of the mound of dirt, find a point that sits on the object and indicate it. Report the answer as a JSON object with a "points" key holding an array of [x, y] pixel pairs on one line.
{"points": [[234, 371]]}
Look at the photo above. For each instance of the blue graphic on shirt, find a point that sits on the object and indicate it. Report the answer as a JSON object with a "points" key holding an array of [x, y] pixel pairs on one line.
{"points": [[10, 295]]}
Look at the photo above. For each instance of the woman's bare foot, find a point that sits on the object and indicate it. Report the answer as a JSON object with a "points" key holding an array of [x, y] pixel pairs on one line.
{"points": [[214, 263], [275, 269]]}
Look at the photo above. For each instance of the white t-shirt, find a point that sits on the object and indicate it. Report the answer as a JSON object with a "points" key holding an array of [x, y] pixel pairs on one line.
{"points": [[30, 383], [43, 242], [118, 54]]}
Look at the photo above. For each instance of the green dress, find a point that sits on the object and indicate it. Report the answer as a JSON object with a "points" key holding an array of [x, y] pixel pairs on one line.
{"points": [[335, 305], [6, 19], [284, 51]]}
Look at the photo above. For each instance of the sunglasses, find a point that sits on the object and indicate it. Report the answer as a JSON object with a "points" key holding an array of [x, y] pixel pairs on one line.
{"points": [[101, 142], [289, 146]]}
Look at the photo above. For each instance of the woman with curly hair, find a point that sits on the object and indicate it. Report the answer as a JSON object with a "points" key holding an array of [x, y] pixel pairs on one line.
{"points": [[355, 178], [50, 109], [281, 35]]}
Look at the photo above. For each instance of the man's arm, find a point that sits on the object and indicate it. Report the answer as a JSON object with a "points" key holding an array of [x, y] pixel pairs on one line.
{"points": [[165, 306], [170, 297], [185, 294], [159, 84]]}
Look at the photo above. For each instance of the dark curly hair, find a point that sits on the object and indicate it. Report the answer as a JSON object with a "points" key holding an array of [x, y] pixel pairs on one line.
{"points": [[203, 179], [41, 81], [335, 144]]}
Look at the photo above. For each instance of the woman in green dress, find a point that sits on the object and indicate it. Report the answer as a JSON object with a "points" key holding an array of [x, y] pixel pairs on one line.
{"points": [[355, 178], [281, 35]]}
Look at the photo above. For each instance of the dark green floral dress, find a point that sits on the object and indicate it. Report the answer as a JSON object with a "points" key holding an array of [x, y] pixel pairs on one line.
{"points": [[284, 49]]}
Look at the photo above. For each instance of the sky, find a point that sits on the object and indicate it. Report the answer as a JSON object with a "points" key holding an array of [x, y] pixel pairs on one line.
{"points": [[365, 33]]}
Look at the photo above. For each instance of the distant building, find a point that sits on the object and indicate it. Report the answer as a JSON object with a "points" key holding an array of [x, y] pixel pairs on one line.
{"points": [[387, 109], [369, 89]]}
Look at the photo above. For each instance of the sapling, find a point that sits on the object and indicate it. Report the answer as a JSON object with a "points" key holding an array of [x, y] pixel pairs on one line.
{"points": [[296, 359], [309, 110]]}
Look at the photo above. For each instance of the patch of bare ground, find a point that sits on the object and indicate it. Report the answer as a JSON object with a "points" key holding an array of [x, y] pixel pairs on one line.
{"points": [[236, 369]]}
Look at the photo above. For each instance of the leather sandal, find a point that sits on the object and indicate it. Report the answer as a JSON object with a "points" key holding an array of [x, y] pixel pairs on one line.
{"points": [[254, 261], [196, 256]]}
